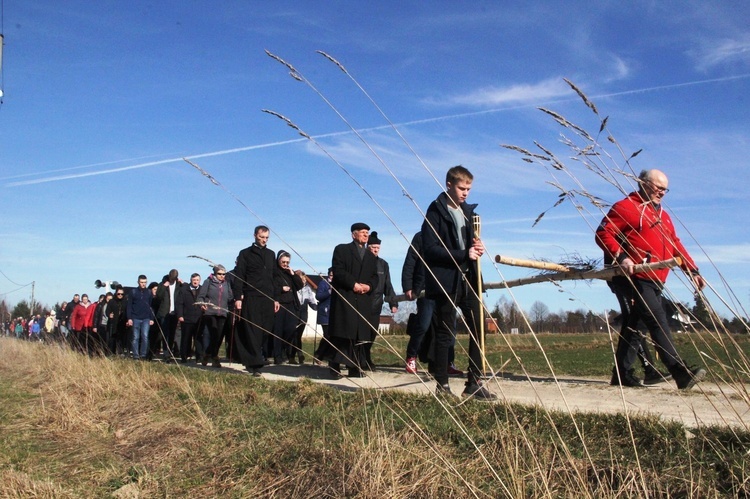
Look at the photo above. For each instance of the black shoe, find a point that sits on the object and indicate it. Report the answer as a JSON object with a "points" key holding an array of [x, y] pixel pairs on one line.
{"points": [[653, 377], [256, 373], [204, 360], [355, 373], [477, 391], [215, 362], [334, 373], [444, 391], [686, 378], [300, 359], [369, 366], [627, 378]]}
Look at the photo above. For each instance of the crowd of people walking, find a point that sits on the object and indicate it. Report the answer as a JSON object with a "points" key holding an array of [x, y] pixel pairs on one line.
{"points": [[259, 309], [258, 312]]}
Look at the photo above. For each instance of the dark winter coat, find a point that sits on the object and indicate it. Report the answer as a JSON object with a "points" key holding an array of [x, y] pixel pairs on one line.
{"points": [[185, 304], [323, 295], [412, 273], [67, 313], [442, 250], [349, 310], [100, 315], [116, 310], [384, 288], [165, 301]]}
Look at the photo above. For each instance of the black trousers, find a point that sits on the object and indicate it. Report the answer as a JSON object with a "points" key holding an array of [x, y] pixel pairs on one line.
{"points": [[648, 308], [624, 292], [168, 327], [215, 324], [192, 334], [445, 332]]}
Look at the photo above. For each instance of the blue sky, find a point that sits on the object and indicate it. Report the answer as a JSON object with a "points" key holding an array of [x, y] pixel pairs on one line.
{"points": [[103, 99]]}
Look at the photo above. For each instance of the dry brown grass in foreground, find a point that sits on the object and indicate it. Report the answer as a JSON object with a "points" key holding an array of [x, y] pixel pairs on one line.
{"points": [[80, 427]]}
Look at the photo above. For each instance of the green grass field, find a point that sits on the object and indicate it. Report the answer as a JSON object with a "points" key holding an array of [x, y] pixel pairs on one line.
{"points": [[579, 354]]}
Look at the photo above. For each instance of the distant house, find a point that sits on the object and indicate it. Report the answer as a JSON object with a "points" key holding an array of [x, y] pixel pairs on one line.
{"points": [[679, 316], [490, 326], [385, 323]]}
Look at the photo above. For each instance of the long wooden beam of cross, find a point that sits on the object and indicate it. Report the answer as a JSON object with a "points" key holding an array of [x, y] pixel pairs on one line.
{"points": [[564, 275], [531, 264], [605, 273]]}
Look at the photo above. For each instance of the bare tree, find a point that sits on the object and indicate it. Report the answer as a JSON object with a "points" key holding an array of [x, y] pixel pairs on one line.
{"points": [[538, 313]]}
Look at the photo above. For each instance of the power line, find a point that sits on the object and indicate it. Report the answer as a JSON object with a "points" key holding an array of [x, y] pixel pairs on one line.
{"points": [[21, 286], [12, 291]]}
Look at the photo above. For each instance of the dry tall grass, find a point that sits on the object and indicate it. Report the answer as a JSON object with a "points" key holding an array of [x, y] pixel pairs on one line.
{"points": [[81, 427]]}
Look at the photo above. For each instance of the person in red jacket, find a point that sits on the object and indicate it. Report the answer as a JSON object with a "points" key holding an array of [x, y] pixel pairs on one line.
{"points": [[637, 230], [81, 322]]}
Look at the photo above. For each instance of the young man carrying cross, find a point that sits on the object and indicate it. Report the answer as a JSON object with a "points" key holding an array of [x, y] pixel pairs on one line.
{"points": [[451, 251]]}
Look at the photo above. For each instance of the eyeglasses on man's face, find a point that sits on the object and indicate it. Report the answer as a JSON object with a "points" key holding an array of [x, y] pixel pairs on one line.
{"points": [[658, 188]]}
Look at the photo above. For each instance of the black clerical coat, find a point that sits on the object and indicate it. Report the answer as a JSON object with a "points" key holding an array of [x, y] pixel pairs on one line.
{"points": [[350, 312]]}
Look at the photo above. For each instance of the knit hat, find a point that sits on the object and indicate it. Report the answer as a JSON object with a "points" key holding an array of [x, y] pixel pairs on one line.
{"points": [[373, 239]]}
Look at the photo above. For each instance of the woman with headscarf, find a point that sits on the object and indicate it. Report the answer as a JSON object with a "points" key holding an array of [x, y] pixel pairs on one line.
{"points": [[285, 284]]}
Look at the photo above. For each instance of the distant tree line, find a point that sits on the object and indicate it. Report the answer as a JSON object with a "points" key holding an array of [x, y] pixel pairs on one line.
{"points": [[508, 316]]}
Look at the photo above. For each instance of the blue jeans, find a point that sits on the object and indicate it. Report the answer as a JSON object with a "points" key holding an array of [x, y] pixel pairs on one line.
{"points": [[140, 338], [425, 309]]}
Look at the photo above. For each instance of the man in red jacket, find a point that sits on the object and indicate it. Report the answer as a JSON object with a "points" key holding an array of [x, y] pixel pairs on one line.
{"points": [[637, 230]]}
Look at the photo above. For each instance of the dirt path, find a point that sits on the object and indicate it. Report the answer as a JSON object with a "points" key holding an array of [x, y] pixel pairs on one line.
{"points": [[706, 404]]}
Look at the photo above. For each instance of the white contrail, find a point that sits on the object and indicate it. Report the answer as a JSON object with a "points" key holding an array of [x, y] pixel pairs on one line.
{"points": [[334, 134], [150, 163], [81, 167], [673, 85]]}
